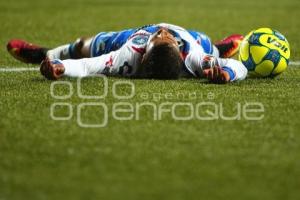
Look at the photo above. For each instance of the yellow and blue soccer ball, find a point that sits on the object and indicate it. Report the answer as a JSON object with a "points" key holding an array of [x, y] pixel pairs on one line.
{"points": [[265, 52]]}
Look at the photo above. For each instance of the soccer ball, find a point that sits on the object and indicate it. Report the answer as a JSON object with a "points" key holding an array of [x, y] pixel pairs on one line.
{"points": [[265, 52]]}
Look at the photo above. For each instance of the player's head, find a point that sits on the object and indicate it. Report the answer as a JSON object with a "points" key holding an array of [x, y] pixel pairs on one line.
{"points": [[162, 59]]}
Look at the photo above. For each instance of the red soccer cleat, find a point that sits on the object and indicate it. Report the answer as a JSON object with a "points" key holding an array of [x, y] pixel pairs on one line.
{"points": [[52, 69], [26, 52], [229, 46]]}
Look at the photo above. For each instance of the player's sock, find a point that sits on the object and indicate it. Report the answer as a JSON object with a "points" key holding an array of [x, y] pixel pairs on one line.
{"points": [[61, 52]]}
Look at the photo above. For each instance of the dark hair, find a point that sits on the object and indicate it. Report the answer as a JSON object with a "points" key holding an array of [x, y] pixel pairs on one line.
{"points": [[163, 61]]}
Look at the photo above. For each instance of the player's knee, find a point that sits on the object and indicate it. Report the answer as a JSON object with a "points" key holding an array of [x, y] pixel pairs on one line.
{"points": [[78, 47]]}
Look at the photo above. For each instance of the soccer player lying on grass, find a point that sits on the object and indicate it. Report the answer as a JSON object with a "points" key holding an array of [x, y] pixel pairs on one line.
{"points": [[161, 51]]}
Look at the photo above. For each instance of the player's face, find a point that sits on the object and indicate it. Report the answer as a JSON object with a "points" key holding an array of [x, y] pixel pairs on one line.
{"points": [[162, 36]]}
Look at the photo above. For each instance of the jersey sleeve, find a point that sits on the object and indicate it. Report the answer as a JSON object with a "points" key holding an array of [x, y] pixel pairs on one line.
{"points": [[123, 62], [196, 62], [235, 68]]}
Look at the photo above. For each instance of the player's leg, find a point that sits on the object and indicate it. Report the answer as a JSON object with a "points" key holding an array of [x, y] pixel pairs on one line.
{"points": [[31, 53], [79, 49], [85, 47], [95, 46]]}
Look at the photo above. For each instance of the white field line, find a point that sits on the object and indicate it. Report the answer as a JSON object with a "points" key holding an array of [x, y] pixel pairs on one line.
{"points": [[27, 69], [18, 69], [294, 63]]}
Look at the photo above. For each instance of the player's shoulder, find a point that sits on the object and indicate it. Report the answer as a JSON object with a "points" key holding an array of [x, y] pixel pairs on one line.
{"points": [[137, 42], [140, 37]]}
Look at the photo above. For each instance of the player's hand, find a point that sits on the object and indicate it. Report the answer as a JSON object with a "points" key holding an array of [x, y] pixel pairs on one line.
{"points": [[52, 69], [217, 75]]}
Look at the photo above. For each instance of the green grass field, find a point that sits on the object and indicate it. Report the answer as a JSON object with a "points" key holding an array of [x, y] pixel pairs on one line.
{"points": [[41, 158]]}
